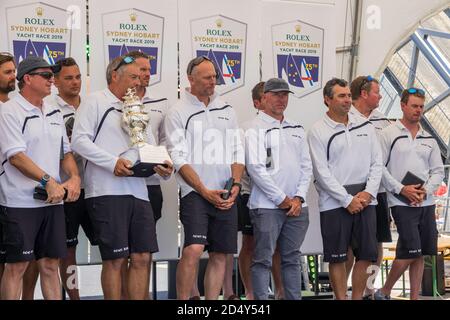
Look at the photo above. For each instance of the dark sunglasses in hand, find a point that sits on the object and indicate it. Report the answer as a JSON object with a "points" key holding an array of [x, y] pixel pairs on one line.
{"points": [[45, 74]]}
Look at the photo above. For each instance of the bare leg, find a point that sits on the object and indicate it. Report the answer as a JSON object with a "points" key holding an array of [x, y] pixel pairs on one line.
{"points": [[214, 275], [359, 279], [124, 280], [187, 270], [338, 278], [29, 281], [415, 277], [399, 266], [11, 285], [245, 262], [228, 280], [349, 263], [111, 278], [195, 293], [138, 277], [50, 284], [68, 272]]}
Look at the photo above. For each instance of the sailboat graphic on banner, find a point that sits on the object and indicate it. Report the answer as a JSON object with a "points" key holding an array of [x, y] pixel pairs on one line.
{"points": [[50, 51], [294, 69]]}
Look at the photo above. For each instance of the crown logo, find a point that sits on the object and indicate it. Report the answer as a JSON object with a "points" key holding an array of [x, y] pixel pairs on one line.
{"points": [[298, 28], [39, 11], [133, 17], [219, 23]]}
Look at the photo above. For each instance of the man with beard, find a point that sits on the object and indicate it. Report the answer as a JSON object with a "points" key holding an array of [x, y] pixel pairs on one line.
{"points": [[7, 84]]}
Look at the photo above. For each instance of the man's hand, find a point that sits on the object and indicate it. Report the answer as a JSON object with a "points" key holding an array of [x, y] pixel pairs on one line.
{"points": [[285, 204], [296, 208], [73, 186], [415, 193], [366, 198], [163, 171], [355, 206], [55, 191], [215, 197], [122, 168]]}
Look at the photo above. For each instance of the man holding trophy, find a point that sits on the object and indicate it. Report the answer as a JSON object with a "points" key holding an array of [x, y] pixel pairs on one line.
{"points": [[107, 124]]}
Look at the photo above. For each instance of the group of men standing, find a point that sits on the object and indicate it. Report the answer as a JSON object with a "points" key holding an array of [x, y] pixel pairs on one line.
{"points": [[255, 179]]}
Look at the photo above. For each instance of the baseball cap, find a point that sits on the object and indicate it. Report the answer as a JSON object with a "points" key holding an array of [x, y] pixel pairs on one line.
{"points": [[32, 63], [276, 85]]}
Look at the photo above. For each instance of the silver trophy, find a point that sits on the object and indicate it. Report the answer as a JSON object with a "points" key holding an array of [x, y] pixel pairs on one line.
{"points": [[135, 121]]}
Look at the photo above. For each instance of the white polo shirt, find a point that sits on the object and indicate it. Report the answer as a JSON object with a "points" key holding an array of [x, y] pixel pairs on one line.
{"points": [[68, 112], [99, 138], [277, 161], [402, 153], [379, 122], [344, 155], [207, 138], [2, 172], [157, 110], [41, 135]]}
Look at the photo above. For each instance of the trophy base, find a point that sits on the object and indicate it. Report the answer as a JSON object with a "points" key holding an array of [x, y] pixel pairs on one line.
{"points": [[141, 169]]}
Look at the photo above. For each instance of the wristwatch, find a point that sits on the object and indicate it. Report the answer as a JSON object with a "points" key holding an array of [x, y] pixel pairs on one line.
{"points": [[45, 178], [238, 184], [302, 200]]}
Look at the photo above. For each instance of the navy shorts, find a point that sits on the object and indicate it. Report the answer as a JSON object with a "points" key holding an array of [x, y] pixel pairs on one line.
{"points": [[122, 225], [33, 233], [341, 230], [204, 224], [417, 231]]}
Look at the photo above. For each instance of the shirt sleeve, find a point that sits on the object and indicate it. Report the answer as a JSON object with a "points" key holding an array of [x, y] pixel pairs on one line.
{"points": [[11, 141], [305, 169], [255, 158], [436, 170], [176, 141], [322, 173], [235, 141], [388, 181], [376, 167], [86, 123]]}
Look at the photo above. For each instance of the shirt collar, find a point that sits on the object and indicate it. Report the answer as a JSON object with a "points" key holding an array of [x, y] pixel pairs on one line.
{"points": [[352, 119], [147, 96], [269, 119], [62, 103], [195, 101], [402, 127], [111, 97], [19, 98]]}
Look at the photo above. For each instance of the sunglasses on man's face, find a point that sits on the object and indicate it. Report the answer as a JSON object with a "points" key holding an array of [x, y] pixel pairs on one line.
{"points": [[416, 90], [45, 74]]}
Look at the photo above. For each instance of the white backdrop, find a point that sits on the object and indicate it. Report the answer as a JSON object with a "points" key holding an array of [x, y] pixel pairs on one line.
{"points": [[148, 19], [302, 23], [56, 28], [238, 30]]}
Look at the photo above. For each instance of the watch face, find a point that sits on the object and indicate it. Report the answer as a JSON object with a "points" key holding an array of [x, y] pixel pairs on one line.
{"points": [[46, 177]]}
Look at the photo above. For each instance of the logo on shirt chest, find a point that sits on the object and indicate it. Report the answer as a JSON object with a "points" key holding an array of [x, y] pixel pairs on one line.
{"points": [[362, 135], [223, 118], [55, 124], [426, 145], [296, 136], [155, 110]]}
